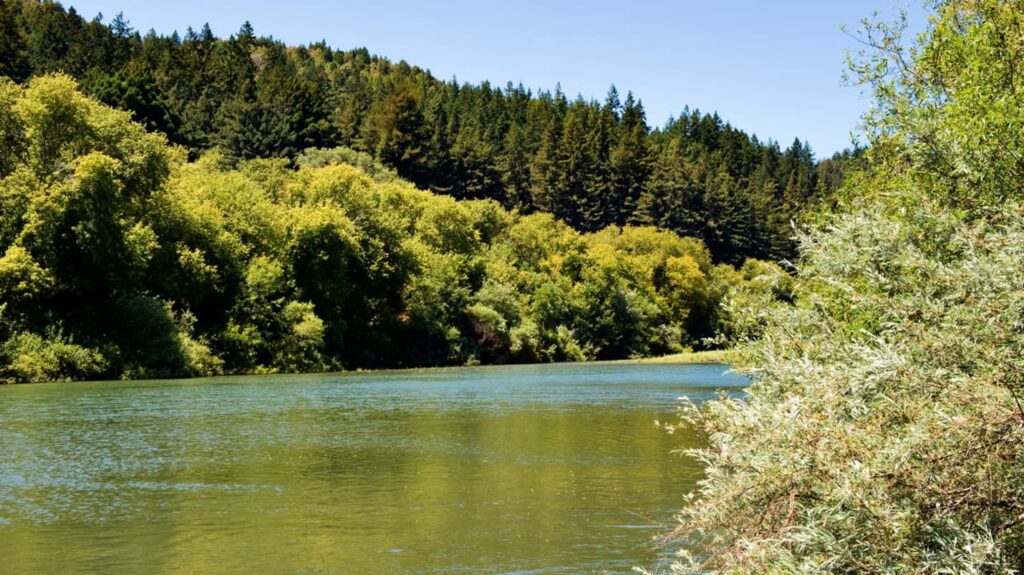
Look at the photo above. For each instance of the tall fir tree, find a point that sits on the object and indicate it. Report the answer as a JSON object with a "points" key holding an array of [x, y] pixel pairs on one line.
{"points": [[631, 160]]}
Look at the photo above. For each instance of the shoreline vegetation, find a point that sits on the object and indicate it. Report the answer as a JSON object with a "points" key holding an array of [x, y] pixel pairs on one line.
{"points": [[709, 357], [883, 429], [715, 356], [191, 205], [123, 259]]}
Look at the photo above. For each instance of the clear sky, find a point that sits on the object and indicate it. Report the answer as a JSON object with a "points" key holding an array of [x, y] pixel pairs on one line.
{"points": [[772, 68]]}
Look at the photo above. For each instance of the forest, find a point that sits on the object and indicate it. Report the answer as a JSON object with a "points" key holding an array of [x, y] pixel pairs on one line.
{"points": [[197, 206], [591, 164], [122, 258]]}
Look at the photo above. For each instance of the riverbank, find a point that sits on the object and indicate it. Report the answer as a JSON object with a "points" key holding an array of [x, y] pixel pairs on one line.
{"points": [[688, 357], [723, 356]]}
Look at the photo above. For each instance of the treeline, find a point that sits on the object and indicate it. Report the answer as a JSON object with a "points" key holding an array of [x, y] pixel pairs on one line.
{"points": [[591, 164], [120, 258]]}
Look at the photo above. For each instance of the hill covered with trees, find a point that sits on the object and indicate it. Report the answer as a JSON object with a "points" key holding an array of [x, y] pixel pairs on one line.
{"points": [[119, 257], [591, 164]]}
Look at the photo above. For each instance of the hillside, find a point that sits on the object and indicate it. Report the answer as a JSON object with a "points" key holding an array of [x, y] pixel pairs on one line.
{"points": [[121, 258], [591, 164]]}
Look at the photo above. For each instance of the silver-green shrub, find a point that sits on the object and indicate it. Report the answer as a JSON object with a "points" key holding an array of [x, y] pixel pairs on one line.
{"points": [[884, 430]]}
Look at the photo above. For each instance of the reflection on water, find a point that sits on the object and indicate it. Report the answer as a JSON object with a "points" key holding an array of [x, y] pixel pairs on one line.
{"points": [[531, 469]]}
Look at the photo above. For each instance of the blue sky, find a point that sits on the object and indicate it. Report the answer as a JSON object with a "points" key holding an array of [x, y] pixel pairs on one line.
{"points": [[773, 68]]}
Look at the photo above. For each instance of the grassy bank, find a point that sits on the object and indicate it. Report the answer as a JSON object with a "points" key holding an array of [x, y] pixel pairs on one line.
{"points": [[713, 356]]}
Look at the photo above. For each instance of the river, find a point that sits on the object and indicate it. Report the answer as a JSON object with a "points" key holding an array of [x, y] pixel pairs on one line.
{"points": [[515, 470]]}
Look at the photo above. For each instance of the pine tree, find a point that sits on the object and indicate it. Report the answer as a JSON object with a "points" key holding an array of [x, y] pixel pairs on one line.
{"points": [[612, 103], [136, 89], [239, 125], [515, 169], [545, 172], [14, 61], [673, 197], [571, 194], [394, 133], [599, 209], [631, 160]]}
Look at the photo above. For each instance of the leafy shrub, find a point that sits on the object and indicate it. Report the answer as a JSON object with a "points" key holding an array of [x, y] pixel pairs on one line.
{"points": [[318, 158], [884, 428], [32, 357], [883, 432]]}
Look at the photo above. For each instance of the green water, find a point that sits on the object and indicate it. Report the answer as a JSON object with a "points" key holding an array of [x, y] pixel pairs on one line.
{"points": [[525, 470]]}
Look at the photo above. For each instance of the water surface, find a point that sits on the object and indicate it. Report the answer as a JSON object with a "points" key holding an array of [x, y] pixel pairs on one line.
{"points": [[525, 470]]}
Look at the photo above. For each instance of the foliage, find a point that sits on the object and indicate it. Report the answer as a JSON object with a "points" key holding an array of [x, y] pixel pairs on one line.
{"points": [[318, 158], [122, 258], [884, 428], [949, 108], [31, 357], [883, 432], [747, 295], [592, 164]]}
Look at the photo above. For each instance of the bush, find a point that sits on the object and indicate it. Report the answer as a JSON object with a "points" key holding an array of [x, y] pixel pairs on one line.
{"points": [[29, 357], [318, 158], [884, 428], [746, 298], [883, 431]]}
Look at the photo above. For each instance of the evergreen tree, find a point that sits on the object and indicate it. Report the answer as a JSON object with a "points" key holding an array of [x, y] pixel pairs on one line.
{"points": [[571, 196], [598, 209], [515, 169], [14, 60], [631, 160], [136, 89], [545, 172], [394, 133]]}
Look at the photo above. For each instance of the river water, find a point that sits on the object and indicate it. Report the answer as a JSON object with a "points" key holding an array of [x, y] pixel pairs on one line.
{"points": [[516, 470]]}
